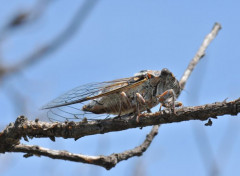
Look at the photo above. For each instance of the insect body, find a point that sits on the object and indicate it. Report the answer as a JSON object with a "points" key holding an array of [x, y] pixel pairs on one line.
{"points": [[136, 94]]}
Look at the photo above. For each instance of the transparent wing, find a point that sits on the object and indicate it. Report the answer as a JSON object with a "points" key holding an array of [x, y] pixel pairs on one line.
{"points": [[69, 105], [72, 113], [90, 91]]}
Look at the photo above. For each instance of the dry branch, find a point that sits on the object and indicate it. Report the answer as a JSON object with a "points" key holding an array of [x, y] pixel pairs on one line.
{"points": [[200, 54], [10, 137], [39, 129], [105, 161]]}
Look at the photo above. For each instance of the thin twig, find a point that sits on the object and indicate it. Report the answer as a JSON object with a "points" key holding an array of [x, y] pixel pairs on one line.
{"points": [[200, 53], [107, 162]]}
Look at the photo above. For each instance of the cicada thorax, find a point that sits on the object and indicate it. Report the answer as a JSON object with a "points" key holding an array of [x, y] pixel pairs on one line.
{"points": [[167, 83]]}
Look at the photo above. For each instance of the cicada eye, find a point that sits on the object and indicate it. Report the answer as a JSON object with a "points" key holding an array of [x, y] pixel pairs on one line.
{"points": [[165, 72]]}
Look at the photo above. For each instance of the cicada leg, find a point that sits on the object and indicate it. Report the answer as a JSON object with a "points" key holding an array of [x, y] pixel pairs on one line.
{"points": [[164, 100], [140, 100], [124, 99]]}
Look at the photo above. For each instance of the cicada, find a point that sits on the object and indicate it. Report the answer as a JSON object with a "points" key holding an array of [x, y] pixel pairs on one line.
{"points": [[119, 97]]}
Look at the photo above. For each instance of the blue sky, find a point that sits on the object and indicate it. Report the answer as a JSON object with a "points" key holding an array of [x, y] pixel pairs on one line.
{"points": [[118, 39]]}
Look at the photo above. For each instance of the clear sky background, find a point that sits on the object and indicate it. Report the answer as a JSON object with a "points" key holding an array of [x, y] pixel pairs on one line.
{"points": [[117, 39]]}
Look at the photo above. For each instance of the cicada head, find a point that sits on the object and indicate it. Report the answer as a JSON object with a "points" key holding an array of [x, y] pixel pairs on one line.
{"points": [[165, 73], [168, 81]]}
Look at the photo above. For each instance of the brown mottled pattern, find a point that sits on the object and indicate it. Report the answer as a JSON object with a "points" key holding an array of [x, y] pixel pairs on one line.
{"points": [[159, 82]]}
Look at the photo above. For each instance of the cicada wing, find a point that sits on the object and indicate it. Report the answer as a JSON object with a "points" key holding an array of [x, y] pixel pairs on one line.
{"points": [[86, 92], [69, 105], [72, 113]]}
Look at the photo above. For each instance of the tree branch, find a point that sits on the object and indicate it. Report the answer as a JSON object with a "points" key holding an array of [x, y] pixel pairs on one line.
{"points": [[200, 54], [10, 137], [39, 129], [105, 161]]}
